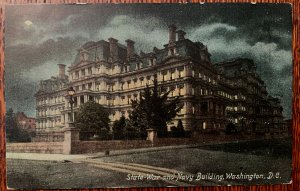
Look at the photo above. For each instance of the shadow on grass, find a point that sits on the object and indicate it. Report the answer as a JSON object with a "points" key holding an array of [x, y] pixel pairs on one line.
{"points": [[281, 148]]}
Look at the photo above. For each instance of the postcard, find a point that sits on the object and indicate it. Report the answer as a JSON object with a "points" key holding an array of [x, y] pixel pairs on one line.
{"points": [[148, 95]]}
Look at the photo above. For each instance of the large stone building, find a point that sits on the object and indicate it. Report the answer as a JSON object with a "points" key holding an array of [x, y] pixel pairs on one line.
{"points": [[112, 74]]}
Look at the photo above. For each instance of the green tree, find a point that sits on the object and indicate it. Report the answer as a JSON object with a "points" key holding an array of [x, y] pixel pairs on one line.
{"points": [[154, 109], [13, 131], [93, 118]]}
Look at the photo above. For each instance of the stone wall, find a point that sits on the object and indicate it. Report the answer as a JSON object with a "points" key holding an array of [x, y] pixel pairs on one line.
{"points": [[41, 147], [81, 147], [54, 136], [102, 146]]}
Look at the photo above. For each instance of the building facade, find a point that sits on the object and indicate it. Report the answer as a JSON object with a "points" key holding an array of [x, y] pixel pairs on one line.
{"points": [[113, 74], [26, 123]]}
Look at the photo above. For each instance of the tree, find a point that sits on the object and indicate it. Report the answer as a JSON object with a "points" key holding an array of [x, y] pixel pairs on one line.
{"points": [[177, 131], [119, 127], [180, 129], [230, 128], [93, 118], [13, 131], [154, 109]]}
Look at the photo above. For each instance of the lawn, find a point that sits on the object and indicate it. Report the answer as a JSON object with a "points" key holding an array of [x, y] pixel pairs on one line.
{"points": [[261, 157]]}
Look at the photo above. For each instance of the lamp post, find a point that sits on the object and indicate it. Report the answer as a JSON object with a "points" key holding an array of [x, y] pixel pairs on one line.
{"points": [[71, 92], [71, 134]]}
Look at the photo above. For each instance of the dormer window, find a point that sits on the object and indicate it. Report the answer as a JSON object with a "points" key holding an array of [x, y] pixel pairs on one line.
{"points": [[138, 65], [152, 61], [171, 52], [84, 55]]}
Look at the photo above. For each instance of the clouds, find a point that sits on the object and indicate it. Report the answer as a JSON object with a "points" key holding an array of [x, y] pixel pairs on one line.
{"points": [[274, 62], [40, 37], [147, 33]]}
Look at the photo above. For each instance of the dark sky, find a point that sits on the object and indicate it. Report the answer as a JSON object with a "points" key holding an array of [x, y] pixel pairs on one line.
{"points": [[38, 37]]}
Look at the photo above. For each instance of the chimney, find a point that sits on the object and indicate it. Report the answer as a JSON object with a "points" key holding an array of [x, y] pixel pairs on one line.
{"points": [[130, 48], [172, 34], [180, 35], [62, 71], [113, 48]]}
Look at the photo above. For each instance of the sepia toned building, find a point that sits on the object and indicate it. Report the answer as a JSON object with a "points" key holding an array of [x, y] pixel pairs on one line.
{"points": [[25, 122], [113, 74], [251, 108]]}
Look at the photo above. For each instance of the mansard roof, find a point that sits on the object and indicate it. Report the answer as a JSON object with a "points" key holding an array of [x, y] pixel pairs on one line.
{"points": [[236, 66]]}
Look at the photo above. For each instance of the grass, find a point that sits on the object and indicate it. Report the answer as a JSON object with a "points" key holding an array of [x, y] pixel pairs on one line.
{"points": [[261, 157], [278, 148]]}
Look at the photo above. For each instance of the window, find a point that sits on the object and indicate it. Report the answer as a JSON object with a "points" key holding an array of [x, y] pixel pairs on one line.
{"points": [[91, 98], [90, 71], [148, 80], [82, 72], [172, 75], [122, 86], [134, 82], [180, 90], [204, 125], [171, 51], [112, 87], [129, 86], [204, 107], [75, 101], [128, 100], [113, 102], [172, 89]]}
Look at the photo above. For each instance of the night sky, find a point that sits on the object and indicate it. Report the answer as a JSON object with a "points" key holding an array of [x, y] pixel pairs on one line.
{"points": [[38, 37]]}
